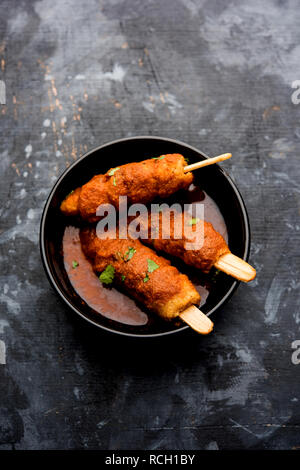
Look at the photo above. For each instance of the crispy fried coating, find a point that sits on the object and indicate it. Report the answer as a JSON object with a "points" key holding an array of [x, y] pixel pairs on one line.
{"points": [[164, 291], [69, 206], [140, 182], [177, 242]]}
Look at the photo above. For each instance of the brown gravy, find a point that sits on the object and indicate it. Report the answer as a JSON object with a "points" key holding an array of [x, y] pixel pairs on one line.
{"points": [[109, 302]]}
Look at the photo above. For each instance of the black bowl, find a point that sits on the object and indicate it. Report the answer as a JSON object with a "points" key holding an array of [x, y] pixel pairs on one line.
{"points": [[212, 179]]}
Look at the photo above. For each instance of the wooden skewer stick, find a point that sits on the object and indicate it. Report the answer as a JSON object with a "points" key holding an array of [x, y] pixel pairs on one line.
{"points": [[206, 162], [197, 320], [236, 267], [228, 263]]}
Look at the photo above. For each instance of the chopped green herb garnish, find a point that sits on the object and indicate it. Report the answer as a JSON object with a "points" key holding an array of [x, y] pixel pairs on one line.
{"points": [[129, 253], [215, 274], [107, 276], [75, 264], [123, 277], [114, 181], [71, 192], [152, 266], [187, 159], [193, 221], [112, 172], [158, 158]]}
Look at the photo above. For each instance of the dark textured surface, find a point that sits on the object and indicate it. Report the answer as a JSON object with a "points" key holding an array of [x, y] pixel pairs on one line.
{"points": [[216, 75]]}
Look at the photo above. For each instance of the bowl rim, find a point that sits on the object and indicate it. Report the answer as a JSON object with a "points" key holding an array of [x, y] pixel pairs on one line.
{"points": [[44, 257]]}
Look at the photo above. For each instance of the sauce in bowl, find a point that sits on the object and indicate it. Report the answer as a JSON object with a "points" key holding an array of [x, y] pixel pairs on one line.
{"points": [[109, 302]]}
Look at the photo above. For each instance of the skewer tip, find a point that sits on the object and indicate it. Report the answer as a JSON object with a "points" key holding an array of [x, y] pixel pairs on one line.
{"points": [[197, 320], [236, 267], [207, 162]]}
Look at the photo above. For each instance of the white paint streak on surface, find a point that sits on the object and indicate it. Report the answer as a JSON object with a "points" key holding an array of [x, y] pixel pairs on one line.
{"points": [[244, 355], [238, 425], [12, 306], [262, 435], [162, 100], [192, 6], [285, 177], [117, 74], [213, 445], [102, 423], [31, 214], [22, 194], [172, 103], [28, 150], [47, 123], [3, 324], [227, 36], [148, 106], [4, 161], [280, 148], [2, 352], [28, 229], [76, 392], [273, 301]]}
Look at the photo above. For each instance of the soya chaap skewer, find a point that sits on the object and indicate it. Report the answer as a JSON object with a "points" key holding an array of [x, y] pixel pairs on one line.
{"points": [[178, 237], [141, 182], [147, 277], [144, 181]]}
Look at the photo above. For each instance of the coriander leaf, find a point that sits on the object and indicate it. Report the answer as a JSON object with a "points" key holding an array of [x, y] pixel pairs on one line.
{"points": [[129, 253], [75, 264], [114, 181], [146, 279], [107, 276], [193, 221], [112, 172], [186, 159], [214, 276], [71, 192], [158, 158], [152, 266], [123, 277]]}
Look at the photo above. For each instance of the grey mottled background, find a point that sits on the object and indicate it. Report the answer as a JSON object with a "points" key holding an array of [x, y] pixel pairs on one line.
{"points": [[217, 75]]}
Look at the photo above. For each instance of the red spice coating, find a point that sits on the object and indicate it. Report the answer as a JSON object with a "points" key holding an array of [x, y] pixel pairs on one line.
{"points": [[140, 182], [165, 290]]}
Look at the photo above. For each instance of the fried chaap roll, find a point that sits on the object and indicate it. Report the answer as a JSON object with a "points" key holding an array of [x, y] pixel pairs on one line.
{"points": [[195, 241], [147, 277], [141, 182], [177, 237]]}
